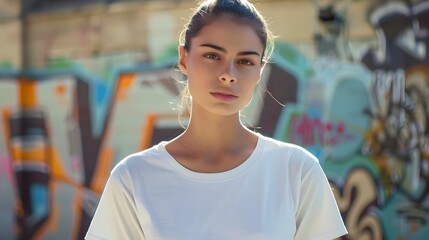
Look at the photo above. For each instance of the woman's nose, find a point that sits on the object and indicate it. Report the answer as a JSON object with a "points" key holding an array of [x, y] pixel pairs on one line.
{"points": [[228, 75]]}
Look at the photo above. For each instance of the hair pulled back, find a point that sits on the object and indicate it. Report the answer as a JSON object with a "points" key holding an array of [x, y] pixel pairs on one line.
{"points": [[243, 12]]}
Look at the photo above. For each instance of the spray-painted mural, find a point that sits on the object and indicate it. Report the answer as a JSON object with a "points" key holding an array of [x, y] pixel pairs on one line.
{"points": [[62, 128], [369, 125]]}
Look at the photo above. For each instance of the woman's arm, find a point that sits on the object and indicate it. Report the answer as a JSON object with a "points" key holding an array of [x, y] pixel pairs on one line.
{"points": [[317, 215], [116, 215]]}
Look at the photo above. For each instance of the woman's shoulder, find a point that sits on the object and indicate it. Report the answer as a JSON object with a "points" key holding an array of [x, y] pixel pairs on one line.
{"points": [[140, 160], [278, 145], [290, 151]]}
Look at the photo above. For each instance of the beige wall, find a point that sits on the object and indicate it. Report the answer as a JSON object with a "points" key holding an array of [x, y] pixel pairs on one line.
{"points": [[10, 43], [148, 29], [10, 33], [9, 8]]}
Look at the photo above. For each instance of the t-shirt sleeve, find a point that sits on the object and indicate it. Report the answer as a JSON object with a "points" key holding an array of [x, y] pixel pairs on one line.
{"points": [[116, 216], [317, 215]]}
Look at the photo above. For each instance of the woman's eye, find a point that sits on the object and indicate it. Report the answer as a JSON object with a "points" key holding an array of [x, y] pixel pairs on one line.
{"points": [[246, 62], [211, 56]]}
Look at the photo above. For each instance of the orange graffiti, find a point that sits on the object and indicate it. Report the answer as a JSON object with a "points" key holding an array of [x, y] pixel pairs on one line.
{"points": [[57, 169], [27, 93], [149, 126], [5, 117], [360, 223], [124, 83], [102, 171], [147, 132], [60, 89]]}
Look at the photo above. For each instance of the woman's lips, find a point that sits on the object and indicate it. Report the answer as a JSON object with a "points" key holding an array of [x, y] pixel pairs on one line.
{"points": [[224, 96]]}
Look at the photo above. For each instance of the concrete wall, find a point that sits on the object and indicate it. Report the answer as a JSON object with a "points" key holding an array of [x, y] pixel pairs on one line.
{"points": [[144, 29]]}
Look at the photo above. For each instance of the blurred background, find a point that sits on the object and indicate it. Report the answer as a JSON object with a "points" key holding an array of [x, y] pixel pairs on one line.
{"points": [[83, 83]]}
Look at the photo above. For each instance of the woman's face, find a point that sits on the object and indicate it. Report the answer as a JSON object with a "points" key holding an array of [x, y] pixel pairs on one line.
{"points": [[223, 66]]}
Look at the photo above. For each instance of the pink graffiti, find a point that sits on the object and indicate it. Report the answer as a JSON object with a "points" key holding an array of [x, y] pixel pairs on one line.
{"points": [[308, 131], [6, 169], [76, 163]]}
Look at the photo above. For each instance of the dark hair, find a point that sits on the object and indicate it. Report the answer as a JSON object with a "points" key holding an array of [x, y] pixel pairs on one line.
{"points": [[242, 10], [208, 11]]}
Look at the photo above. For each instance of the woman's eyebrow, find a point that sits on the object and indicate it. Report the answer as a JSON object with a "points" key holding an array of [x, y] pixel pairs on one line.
{"points": [[209, 45]]}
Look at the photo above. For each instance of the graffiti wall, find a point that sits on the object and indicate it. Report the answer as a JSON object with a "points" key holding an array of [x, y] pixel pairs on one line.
{"points": [[63, 128]]}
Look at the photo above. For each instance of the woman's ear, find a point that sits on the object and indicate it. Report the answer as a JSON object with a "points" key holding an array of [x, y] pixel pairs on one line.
{"points": [[183, 59]]}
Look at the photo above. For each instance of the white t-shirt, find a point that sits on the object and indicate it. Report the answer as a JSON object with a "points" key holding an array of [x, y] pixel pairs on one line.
{"points": [[279, 192]]}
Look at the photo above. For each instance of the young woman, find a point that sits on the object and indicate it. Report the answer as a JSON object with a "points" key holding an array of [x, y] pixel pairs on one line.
{"points": [[219, 180]]}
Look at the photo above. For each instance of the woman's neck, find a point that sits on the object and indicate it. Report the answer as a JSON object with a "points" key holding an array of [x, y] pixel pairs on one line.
{"points": [[214, 133], [213, 142], [211, 136]]}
